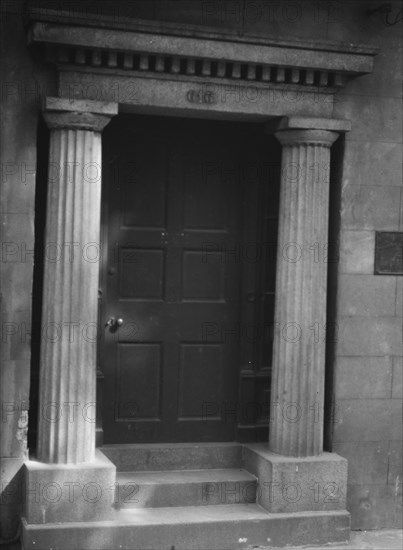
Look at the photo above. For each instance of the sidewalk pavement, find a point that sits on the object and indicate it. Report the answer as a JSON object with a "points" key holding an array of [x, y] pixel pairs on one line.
{"points": [[390, 539], [384, 539]]}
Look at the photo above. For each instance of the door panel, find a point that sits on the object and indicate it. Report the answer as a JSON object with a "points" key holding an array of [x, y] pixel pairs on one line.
{"points": [[174, 209]]}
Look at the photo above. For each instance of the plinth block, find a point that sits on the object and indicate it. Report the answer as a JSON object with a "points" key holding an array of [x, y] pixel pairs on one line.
{"points": [[57, 493], [287, 484]]}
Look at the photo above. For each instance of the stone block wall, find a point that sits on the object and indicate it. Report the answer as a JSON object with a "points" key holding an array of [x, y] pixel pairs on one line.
{"points": [[367, 423], [367, 367], [22, 84]]}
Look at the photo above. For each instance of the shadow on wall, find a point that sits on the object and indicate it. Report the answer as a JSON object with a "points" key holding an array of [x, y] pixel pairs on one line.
{"points": [[11, 506], [40, 222], [336, 168]]}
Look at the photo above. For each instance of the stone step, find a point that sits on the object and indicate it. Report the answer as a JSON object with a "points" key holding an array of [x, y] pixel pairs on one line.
{"points": [[185, 488], [169, 456], [221, 527]]}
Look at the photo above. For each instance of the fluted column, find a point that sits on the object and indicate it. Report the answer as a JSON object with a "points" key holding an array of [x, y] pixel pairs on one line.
{"points": [[66, 433], [297, 392]]}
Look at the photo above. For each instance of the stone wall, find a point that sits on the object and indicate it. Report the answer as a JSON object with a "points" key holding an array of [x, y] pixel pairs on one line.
{"points": [[367, 371], [367, 427], [23, 81]]}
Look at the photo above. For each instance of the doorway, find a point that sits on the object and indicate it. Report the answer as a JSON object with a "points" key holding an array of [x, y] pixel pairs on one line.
{"points": [[183, 202]]}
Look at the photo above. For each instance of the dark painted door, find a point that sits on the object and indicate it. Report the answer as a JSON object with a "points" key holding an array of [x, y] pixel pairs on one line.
{"points": [[174, 209]]}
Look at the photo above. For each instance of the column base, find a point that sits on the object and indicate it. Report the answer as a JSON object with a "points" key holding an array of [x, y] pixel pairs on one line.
{"points": [[69, 492], [287, 484]]}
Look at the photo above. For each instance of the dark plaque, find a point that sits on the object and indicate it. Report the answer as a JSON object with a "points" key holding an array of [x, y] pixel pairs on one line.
{"points": [[388, 253]]}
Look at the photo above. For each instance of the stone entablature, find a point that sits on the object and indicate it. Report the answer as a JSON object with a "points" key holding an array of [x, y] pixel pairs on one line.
{"points": [[115, 49]]}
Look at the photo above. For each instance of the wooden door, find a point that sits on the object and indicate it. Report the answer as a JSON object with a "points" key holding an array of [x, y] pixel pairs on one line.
{"points": [[174, 209]]}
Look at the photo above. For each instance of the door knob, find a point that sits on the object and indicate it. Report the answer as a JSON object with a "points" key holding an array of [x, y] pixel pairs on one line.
{"points": [[114, 323]]}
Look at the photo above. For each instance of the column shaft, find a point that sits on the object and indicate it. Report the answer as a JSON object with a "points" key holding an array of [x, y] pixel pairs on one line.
{"points": [[71, 278], [297, 392]]}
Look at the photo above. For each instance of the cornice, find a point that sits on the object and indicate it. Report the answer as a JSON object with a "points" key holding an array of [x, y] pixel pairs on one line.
{"points": [[194, 51]]}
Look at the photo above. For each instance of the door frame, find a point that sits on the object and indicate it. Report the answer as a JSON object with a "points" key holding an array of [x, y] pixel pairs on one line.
{"points": [[138, 66], [252, 374]]}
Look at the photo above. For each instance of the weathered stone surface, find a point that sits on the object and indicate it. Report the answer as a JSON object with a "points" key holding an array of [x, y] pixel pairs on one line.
{"points": [[397, 378], [14, 409], [401, 212], [346, 19], [66, 431], [371, 118], [16, 330], [362, 377], [368, 420], [399, 297], [206, 487], [308, 123], [395, 463], [11, 490], [368, 336], [290, 19], [370, 207], [193, 528], [375, 83], [357, 249], [372, 163], [21, 86], [193, 456], [59, 492], [233, 100], [367, 460], [366, 295], [60, 104], [16, 260], [298, 361], [210, 45], [288, 484], [375, 506]]}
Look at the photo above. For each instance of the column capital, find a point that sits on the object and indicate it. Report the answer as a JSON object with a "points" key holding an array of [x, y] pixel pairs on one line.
{"points": [[307, 123], [325, 138], [78, 114]]}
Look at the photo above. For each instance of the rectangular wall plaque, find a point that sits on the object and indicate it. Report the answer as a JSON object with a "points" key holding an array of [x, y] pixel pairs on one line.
{"points": [[388, 253]]}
